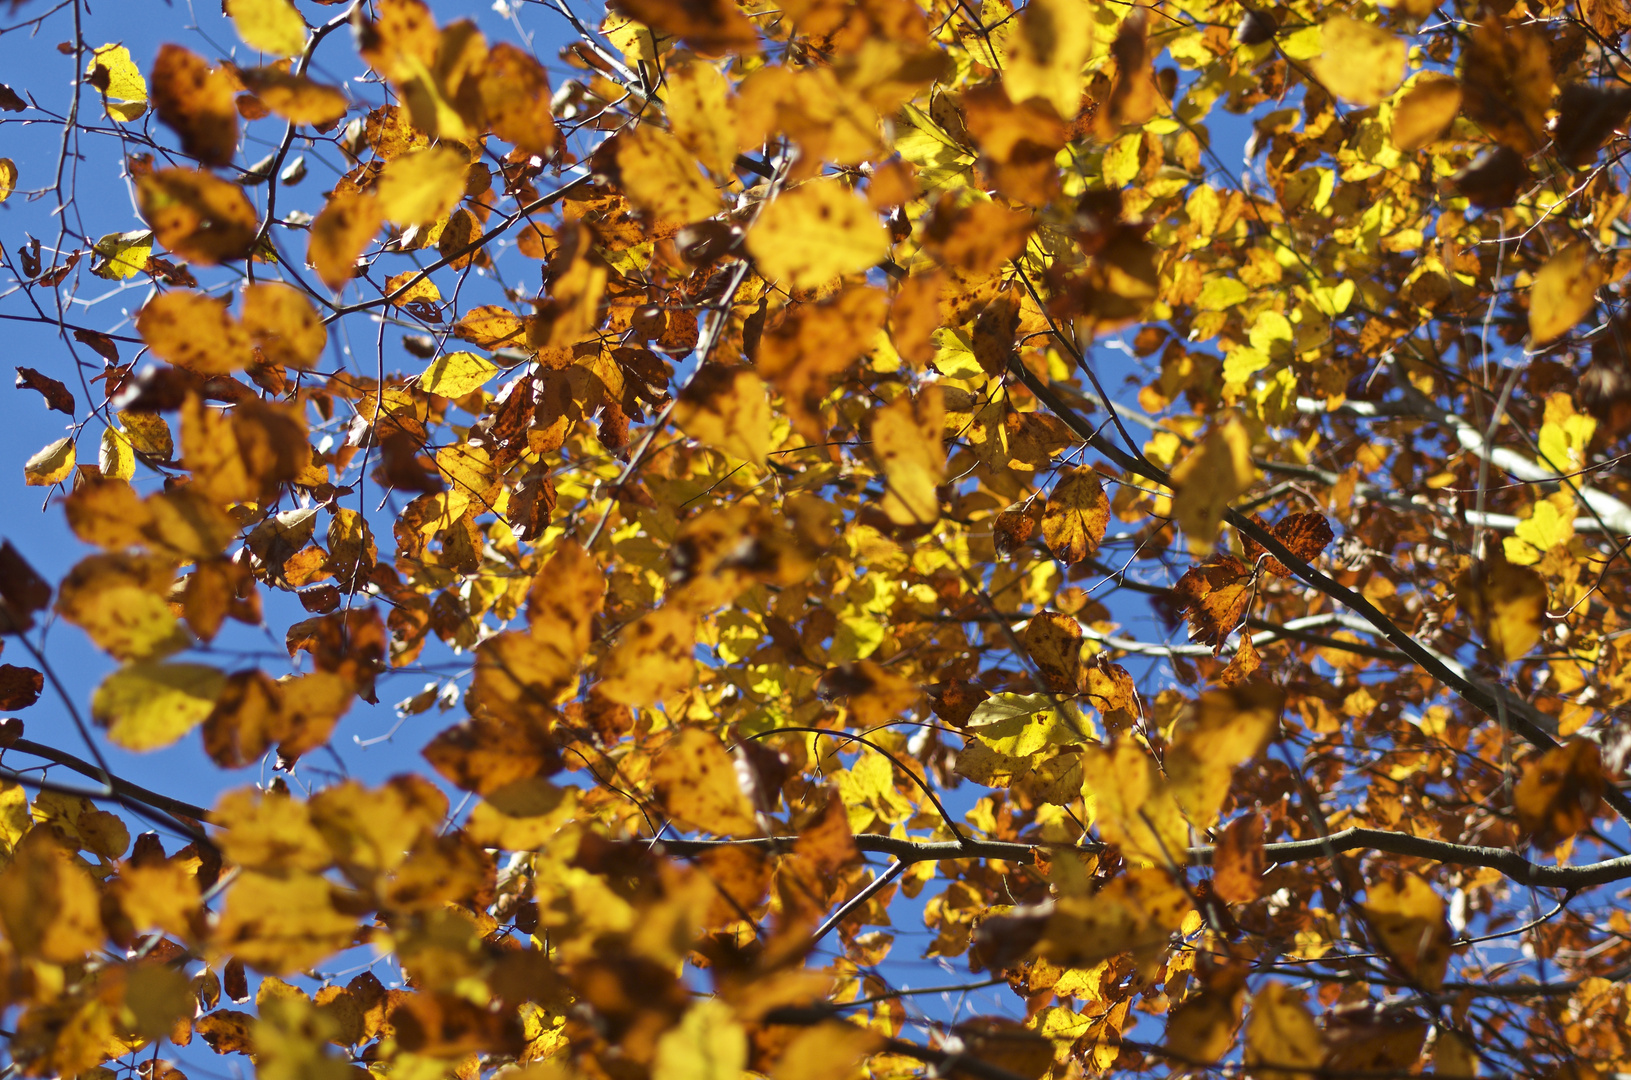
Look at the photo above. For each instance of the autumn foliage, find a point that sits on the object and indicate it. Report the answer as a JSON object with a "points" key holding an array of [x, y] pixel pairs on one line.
{"points": [[1120, 499]]}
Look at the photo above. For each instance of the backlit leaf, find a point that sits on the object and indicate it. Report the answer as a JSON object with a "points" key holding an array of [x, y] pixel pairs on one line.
{"points": [[148, 705], [1565, 292], [272, 26], [1075, 516], [456, 374], [1361, 62], [51, 464], [814, 233]]}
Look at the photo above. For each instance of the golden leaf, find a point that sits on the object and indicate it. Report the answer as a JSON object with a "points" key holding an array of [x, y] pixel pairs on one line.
{"points": [[421, 187], [196, 215], [700, 113], [696, 781], [51, 464], [1506, 603], [1281, 1033], [295, 97], [284, 325], [271, 26], [1408, 917], [1051, 43], [8, 178], [282, 924], [195, 331], [1362, 63], [1224, 729], [707, 1044], [1132, 806], [661, 176], [1564, 292], [454, 375], [726, 408], [652, 658], [1426, 111], [48, 903], [1560, 792], [119, 600], [816, 232], [115, 74], [341, 231], [1209, 479], [150, 704], [515, 94], [906, 443]]}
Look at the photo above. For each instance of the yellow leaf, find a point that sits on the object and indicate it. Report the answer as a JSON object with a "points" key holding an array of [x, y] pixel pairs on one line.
{"points": [[117, 459], [515, 94], [1565, 434], [272, 26], [120, 601], [816, 232], [454, 375], [1281, 1033], [827, 1051], [1564, 292], [1425, 111], [661, 176], [296, 98], [197, 215], [195, 331], [1052, 40], [124, 255], [1132, 805], [726, 408], [708, 1044], [124, 91], [1550, 525], [1202, 1028], [52, 464], [1361, 63], [1507, 603], [1076, 515], [907, 444], [283, 323], [48, 903], [1223, 730], [8, 178], [696, 781], [421, 187], [652, 658], [340, 233], [1212, 476], [1409, 918], [150, 704], [159, 896], [270, 831], [416, 289], [1220, 293], [699, 111]]}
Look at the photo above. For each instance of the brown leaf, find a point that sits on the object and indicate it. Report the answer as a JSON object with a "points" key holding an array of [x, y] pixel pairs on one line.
{"points": [[19, 686], [1237, 861], [56, 395], [1214, 597], [196, 100], [1305, 535]]}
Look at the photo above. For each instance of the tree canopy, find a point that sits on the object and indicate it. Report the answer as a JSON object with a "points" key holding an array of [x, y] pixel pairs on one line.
{"points": [[1122, 500]]}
